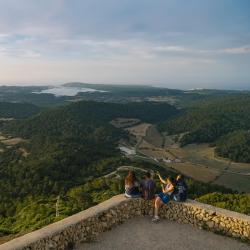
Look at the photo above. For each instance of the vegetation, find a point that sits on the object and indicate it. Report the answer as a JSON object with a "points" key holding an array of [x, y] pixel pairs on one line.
{"points": [[77, 117], [113, 93], [28, 94], [72, 147], [35, 211], [216, 122], [235, 202], [68, 146], [235, 146], [17, 110]]}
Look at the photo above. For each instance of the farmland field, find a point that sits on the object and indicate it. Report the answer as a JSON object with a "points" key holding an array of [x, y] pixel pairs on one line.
{"points": [[196, 160], [239, 182], [197, 172], [154, 137], [150, 150], [230, 174], [139, 130], [124, 122]]}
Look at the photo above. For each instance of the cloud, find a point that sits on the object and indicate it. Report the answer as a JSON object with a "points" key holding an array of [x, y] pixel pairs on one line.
{"points": [[237, 50], [121, 40], [14, 45], [18, 53], [172, 48]]}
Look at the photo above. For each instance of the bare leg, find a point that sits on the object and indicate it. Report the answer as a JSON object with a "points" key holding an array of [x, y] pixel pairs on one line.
{"points": [[158, 203], [157, 206]]}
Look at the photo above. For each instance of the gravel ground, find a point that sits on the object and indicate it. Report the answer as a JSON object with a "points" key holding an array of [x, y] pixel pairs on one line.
{"points": [[142, 234]]}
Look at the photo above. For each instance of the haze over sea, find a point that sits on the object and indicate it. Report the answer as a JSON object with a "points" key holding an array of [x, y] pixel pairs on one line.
{"points": [[66, 91]]}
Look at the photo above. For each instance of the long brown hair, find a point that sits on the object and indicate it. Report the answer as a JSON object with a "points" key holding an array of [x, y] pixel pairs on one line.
{"points": [[171, 180], [130, 179]]}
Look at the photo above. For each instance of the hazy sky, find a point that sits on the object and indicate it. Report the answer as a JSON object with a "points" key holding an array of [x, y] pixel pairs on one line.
{"points": [[173, 43]]}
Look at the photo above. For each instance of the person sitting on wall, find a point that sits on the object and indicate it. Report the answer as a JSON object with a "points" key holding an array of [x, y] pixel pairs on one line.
{"points": [[180, 192], [131, 185], [165, 196], [148, 187]]}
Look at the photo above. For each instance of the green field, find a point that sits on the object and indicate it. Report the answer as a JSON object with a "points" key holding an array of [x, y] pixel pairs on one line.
{"points": [[231, 175], [154, 137], [198, 162], [234, 181]]}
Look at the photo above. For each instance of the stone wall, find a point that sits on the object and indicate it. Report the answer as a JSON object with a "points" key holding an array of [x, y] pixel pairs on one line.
{"points": [[87, 224], [206, 217]]}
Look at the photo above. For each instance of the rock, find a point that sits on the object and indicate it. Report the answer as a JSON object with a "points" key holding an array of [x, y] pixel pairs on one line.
{"points": [[210, 224]]}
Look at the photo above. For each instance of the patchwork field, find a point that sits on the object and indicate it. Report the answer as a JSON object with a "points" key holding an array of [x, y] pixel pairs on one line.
{"points": [[7, 142], [198, 172], [150, 150], [196, 161], [154, 137], [140, 130], [124, 122], [230, 174], [12, 141], [235, 181]]}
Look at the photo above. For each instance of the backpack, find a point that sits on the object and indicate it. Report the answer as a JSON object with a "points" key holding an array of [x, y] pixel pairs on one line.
{"points": [[180, 192]]}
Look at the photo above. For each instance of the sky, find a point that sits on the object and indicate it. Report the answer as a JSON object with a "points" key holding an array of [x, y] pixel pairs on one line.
{"points": [[172, 43]]}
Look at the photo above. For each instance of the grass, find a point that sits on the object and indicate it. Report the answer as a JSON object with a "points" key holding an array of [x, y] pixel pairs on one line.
{"points": [[124, 122], [197, 172], [139, 130], [154, 137], [204, 155], [152, 151], [198, 160], [234, 181]]}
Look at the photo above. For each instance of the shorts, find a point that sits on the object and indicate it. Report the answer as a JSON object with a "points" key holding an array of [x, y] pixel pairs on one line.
{"points": [[164, 197]]}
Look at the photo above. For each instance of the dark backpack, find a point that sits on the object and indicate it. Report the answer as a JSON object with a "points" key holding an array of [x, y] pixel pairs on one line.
{"points": [[180, 192]]}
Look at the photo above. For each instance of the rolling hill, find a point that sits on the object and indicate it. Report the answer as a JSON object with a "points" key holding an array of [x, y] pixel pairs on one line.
{"points": [[209, 121], [17, 110]]}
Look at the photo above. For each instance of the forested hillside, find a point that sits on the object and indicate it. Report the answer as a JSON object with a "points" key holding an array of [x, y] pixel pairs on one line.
{"points": [[235, 146], [64, 144], [66, 147], [76, 117], [17, 110], [69, 150], [209, 121]]}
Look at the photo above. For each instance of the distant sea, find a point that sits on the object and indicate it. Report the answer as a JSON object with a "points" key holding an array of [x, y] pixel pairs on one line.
{"points": [[66, 91]]}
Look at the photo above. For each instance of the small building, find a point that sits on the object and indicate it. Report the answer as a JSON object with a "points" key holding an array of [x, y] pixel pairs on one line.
{"points": [[177, 160], [167, 160], [127, 150]]}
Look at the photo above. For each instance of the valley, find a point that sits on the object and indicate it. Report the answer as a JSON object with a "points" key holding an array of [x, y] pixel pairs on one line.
{"points": [[79, 150], [197, 161]]}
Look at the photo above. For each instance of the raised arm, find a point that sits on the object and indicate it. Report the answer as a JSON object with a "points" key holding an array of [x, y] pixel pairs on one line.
{"points": [[161, 179]]}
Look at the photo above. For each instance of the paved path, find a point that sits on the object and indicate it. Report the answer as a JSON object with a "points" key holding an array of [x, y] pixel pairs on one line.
{"points": [[142, 234]]}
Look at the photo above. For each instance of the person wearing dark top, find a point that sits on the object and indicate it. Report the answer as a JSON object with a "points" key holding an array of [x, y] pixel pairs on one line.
{"points": [[180, 192], [131, 185], [148, 187]]}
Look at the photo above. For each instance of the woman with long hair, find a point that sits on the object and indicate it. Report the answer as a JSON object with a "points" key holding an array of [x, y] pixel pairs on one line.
{"points": [[131, 185], [164, 197]]}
